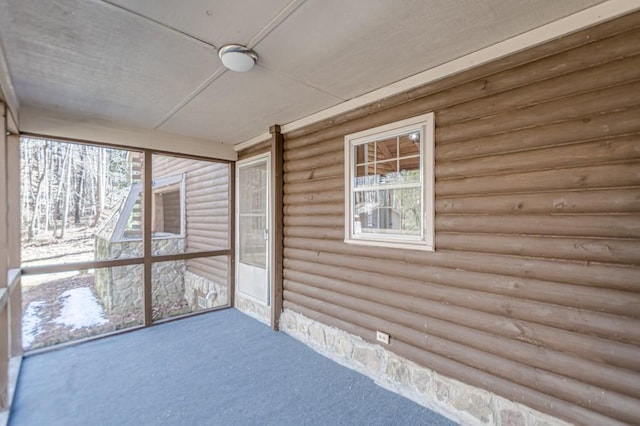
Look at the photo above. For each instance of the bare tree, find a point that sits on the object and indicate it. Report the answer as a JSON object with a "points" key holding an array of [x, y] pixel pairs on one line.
{"points": [[43, 165], [67, 193], [68, 185]]}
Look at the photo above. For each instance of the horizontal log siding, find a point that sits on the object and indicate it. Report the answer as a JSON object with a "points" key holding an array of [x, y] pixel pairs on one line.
{"points": [[534, 289], [260, 148], [207, 210]]}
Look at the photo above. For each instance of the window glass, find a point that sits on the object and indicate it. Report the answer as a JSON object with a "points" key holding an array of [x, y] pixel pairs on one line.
{"points": [[252, 215], [410, 144], [387, 149], [387, 171], [390, 177], [388, 211]]}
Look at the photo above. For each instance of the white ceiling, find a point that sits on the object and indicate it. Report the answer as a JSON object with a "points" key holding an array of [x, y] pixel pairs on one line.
{"points": [[152, 64]]}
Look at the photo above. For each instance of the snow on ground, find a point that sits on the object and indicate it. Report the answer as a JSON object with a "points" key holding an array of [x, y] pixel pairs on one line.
{"points": [[31, 322], [80, 309]]}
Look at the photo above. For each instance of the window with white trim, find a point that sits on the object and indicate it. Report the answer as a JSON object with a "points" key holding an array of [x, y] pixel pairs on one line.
{"points": [[389, 185], [168, 207]]}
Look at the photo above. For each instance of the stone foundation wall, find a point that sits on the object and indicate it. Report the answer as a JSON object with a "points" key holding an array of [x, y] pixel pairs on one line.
{"points": [[120, 287], [194, 285], [167, 282], [252, 308], [458, 401]]}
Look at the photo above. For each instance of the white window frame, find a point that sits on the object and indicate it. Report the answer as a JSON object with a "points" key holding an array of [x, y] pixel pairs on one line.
{"points": [[168, 184], [424, 124]]}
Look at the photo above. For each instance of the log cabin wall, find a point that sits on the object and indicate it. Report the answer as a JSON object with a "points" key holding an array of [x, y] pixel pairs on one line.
{"points": [[533, 292], [206, 210], [260, 148]]}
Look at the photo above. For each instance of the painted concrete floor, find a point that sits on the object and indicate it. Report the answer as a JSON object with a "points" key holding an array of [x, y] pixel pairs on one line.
{"points": [[221, 368]]}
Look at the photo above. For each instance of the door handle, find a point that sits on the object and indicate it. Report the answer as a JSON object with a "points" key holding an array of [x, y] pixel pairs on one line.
{"points": [[266, 234]]}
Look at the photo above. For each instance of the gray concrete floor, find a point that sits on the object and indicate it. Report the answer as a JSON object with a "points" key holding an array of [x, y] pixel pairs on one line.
{"points": [[219, 368]]}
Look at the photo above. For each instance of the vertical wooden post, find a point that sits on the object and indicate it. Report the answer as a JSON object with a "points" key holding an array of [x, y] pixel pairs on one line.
{"points": [[277, 209], [4, 357], [147, 182], [15, 320], [4, 254], [231, 261], [4, 309], [13, 200], [13, 241]]}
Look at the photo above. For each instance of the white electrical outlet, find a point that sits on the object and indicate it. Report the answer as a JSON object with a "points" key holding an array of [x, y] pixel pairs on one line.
{"points": [[382, 337]]}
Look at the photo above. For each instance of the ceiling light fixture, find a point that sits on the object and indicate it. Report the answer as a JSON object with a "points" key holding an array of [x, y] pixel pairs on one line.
{"points": [[237, 58]]}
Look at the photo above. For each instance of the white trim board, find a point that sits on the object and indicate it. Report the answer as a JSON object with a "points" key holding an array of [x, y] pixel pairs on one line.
{"points": [[594, 15], [51, 124]]}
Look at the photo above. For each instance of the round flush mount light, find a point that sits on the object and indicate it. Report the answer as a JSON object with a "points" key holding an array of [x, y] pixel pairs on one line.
{"points": [[237, 58]]}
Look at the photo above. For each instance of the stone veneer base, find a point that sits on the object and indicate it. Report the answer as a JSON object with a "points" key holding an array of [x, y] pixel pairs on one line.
{"points": [[253, 308], [465, 404], [214, 293]]}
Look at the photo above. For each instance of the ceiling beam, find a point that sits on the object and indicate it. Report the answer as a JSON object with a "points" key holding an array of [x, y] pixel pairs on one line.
{"points": [[55, 125]]}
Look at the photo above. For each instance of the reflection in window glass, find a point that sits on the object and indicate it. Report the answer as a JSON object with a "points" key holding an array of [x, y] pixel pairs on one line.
{"points": [[409, 144], [392, 161], [388, 210], [387, 149], [387, 171]]}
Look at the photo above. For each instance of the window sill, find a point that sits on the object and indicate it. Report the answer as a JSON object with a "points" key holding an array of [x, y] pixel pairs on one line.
{"points": [[392, 244]]}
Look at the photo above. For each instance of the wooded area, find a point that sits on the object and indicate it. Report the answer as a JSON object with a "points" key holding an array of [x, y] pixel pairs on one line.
{"points": [[66, 185]]}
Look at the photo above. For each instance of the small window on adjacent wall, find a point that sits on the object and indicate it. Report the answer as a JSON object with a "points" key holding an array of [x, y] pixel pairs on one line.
{"points": [[389, 185], [167, 218]]}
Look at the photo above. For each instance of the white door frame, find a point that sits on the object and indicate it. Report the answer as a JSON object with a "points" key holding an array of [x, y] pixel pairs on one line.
{"points": [[239, 164]]}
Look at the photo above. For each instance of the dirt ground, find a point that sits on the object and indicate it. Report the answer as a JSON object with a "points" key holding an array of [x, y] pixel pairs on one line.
{"points": [[77, 246], [51, 332], [47, 290]]}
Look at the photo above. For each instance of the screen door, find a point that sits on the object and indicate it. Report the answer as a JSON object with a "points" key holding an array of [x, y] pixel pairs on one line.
{"points": [[253, 229]]}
